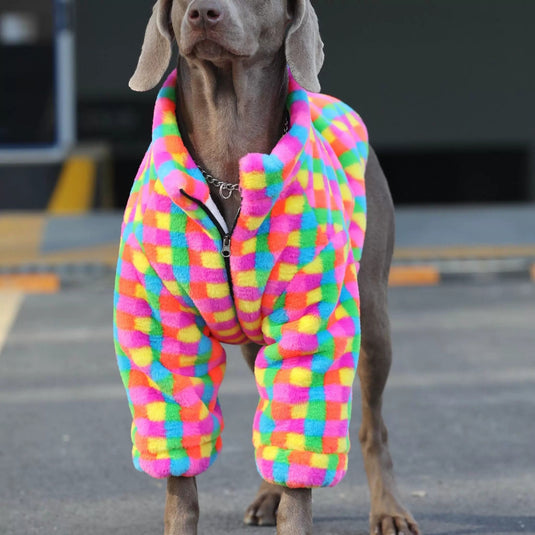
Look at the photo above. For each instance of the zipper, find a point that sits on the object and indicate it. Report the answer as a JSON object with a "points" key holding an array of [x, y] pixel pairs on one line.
{"points": [[225, 249], [225, 237]]}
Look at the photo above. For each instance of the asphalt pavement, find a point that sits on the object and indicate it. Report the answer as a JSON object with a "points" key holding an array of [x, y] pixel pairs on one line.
{"points": [[460, 407]]}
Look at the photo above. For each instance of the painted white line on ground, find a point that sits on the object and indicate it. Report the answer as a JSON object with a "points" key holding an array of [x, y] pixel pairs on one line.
{"points": [[10, 303], [81, 334], [233, 385], [474, 318], [523, 316], [464, 378], [500, 377], [63, 394]]}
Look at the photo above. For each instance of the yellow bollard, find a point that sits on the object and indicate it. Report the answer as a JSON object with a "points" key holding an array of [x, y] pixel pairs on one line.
{"points": [[75, 190]]}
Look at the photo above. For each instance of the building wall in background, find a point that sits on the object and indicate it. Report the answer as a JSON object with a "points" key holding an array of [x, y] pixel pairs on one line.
{"points": [[426, 75], [449, 79], [109, 37], [434, 71], [40, 9]]}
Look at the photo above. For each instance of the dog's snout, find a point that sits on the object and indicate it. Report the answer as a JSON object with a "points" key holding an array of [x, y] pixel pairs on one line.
{"points": [[205, 13]]}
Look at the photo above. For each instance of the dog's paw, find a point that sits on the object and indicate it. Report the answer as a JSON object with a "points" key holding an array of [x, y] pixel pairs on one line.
{"points": [[263, 510], [398, 524]]}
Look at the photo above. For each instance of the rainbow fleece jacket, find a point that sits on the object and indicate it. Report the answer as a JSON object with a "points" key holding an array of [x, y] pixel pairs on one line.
{"points": [[285, 277]]}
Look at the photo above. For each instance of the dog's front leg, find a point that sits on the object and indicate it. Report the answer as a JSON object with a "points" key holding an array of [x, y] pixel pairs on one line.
{"points": [[294, 516], [388, 516], [181, 506]]}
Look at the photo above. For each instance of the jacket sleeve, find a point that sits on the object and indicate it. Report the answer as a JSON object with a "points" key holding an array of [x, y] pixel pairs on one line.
{"points": [[171, 369], [305, 374]]}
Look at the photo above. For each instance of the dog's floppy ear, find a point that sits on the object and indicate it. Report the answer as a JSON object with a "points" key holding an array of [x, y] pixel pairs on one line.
{"points": [[156, 50], [304, 47]]}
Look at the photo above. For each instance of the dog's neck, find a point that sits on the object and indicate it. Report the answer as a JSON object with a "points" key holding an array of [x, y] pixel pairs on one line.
{"points": [[229, 111]]}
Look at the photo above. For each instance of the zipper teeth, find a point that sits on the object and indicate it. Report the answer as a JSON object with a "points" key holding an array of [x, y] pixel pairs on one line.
{"points": [[213, 219], [224, 236]]}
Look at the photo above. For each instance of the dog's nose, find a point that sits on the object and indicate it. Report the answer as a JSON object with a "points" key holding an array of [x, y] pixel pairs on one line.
{"points": [[205, 13]]}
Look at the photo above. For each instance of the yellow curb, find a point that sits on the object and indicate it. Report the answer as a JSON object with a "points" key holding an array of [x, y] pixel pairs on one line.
{"points": [[75, 189], [20, 234], [45, 283], [414, 276], [10, 303], [472, 252], [103, 254]]}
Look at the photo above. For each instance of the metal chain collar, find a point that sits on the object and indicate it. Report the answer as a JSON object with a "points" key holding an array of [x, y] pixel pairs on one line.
{"points": [[226, 189]]}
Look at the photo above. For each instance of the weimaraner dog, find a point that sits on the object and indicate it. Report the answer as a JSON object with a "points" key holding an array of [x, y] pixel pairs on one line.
{"points": [[231, 98]]}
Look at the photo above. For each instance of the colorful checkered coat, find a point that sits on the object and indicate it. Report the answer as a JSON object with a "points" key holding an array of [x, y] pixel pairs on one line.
{"points": [[294, 259]]}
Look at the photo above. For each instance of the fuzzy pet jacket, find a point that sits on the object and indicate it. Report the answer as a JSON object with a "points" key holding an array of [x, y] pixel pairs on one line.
{"points": [[294, 259]]}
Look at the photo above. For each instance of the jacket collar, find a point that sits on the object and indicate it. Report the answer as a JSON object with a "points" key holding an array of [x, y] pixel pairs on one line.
{"points": [[262, 176]]}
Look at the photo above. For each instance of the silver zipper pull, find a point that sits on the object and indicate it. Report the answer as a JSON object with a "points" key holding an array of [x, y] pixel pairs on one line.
{"points": [[225, 250]]}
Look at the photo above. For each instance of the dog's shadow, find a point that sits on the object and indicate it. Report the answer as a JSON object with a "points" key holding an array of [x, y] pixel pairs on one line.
{"points": [[477, 524], [431, 524], [324, 525], [435, 524]]}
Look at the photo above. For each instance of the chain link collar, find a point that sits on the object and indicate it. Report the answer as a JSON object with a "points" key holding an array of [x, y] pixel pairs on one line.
{"points": [[226, 189]]}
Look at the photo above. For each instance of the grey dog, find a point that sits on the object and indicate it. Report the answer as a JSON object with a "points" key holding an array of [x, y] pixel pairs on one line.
{"points": [[232, 64]]}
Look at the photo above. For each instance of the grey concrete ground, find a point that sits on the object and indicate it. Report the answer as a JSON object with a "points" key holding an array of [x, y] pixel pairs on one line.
{"points": [[460, 406]]}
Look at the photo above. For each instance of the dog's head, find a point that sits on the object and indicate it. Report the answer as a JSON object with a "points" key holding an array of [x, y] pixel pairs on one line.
{"points": [[235, 30]]}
